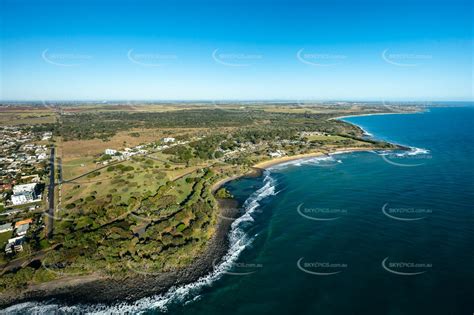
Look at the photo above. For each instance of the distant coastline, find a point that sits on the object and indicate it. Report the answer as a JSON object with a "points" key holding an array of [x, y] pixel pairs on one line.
{"points": [[375, 114]]}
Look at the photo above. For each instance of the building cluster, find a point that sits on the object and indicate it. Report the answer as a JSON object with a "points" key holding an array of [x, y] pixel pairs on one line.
{"points": [[169, 140], [20, 228], [125, 154], [23, 158], [26, 193], [24, 155], [312, 133], [18, 152], [140, 149], [277, 154]]}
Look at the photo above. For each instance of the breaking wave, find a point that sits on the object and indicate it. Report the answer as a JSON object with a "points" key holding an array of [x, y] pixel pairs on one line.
{"points": [[412, 152], [326, 160], [366, 133], [239, 239]]}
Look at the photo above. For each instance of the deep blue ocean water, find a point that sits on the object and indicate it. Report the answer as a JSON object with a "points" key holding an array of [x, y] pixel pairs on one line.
{"points": [[355, 233]]}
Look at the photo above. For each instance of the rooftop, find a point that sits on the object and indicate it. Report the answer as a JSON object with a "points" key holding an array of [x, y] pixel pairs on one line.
{"points": [[18, 189]]}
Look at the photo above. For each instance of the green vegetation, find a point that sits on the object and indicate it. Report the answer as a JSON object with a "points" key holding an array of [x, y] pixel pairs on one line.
{"points": [[259, 123], [223, 193], [4, 238], [155, 211]]}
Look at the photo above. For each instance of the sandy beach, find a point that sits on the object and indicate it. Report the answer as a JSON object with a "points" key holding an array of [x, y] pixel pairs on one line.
{"points": [[269, 163], [255, 172], [97, 289], [375, 114]]}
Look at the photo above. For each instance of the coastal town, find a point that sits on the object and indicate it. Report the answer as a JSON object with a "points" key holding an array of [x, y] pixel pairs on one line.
{"points": [[237, 157], [83, 195], [23, 176]]}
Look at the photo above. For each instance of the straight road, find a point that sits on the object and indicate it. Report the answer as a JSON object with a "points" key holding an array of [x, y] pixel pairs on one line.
{"points": [[51, 186]]}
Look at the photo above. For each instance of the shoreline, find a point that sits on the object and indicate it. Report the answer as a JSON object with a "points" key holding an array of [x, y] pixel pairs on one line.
{"points": [[273, 162], [97, 289], [254, 172], [108, 290], [375, 114]]}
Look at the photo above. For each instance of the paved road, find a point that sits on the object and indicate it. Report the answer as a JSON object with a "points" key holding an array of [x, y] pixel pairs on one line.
{"points": [[51, 186]]}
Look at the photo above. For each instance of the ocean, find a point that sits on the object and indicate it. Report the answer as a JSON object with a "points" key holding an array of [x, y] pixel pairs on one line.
{"points": [[353, 233]]}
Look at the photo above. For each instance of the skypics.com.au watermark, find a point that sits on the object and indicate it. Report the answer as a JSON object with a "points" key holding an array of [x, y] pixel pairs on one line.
{"points": [[151, 59], [405, 268], [234, 59], [320, 214], [240, 268], [405, 214], [318, 268], [416, 155], [319, 59], [64, 59], [405, 59]]}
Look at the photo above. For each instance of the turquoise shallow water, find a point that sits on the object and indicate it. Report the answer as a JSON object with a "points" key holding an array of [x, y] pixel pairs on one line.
{"points": [[359, 233]]}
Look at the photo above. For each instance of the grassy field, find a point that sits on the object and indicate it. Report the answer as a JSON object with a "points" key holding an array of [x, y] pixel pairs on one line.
{"points": [[326, 138], [127, 179], [4, 238], [75, 167], [26, 119], [27, 115], [121, 140], [129, 107]]}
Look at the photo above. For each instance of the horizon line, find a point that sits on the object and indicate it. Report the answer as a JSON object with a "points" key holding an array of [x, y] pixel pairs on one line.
{"points": [[105, 101]]}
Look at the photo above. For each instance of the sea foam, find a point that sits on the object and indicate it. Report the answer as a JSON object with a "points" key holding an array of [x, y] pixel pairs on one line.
{"points": [[412, 152], [326, 160], [239, 239]]}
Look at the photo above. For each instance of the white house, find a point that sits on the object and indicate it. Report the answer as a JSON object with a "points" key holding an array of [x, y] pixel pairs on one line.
{"points": [[22, 229], [15, 243], [25, 188], [6, 227], [110, 151], [24, 193], [168, 140], [277, 154], [47, 136], [19, 199]]}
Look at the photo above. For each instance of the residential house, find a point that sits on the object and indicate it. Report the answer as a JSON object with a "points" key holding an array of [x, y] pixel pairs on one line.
{"points": [[110, 151], [6, 227], [14, 244], [22, 229], [168, 139], [24, 193], [23, 222]]}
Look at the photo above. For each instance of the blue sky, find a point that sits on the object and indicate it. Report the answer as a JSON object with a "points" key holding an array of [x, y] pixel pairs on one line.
{"points": [[215, 50]]}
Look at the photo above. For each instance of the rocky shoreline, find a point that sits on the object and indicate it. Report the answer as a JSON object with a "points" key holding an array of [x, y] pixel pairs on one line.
{"points": [[105, 290], [94, 289], [108, 290]]}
